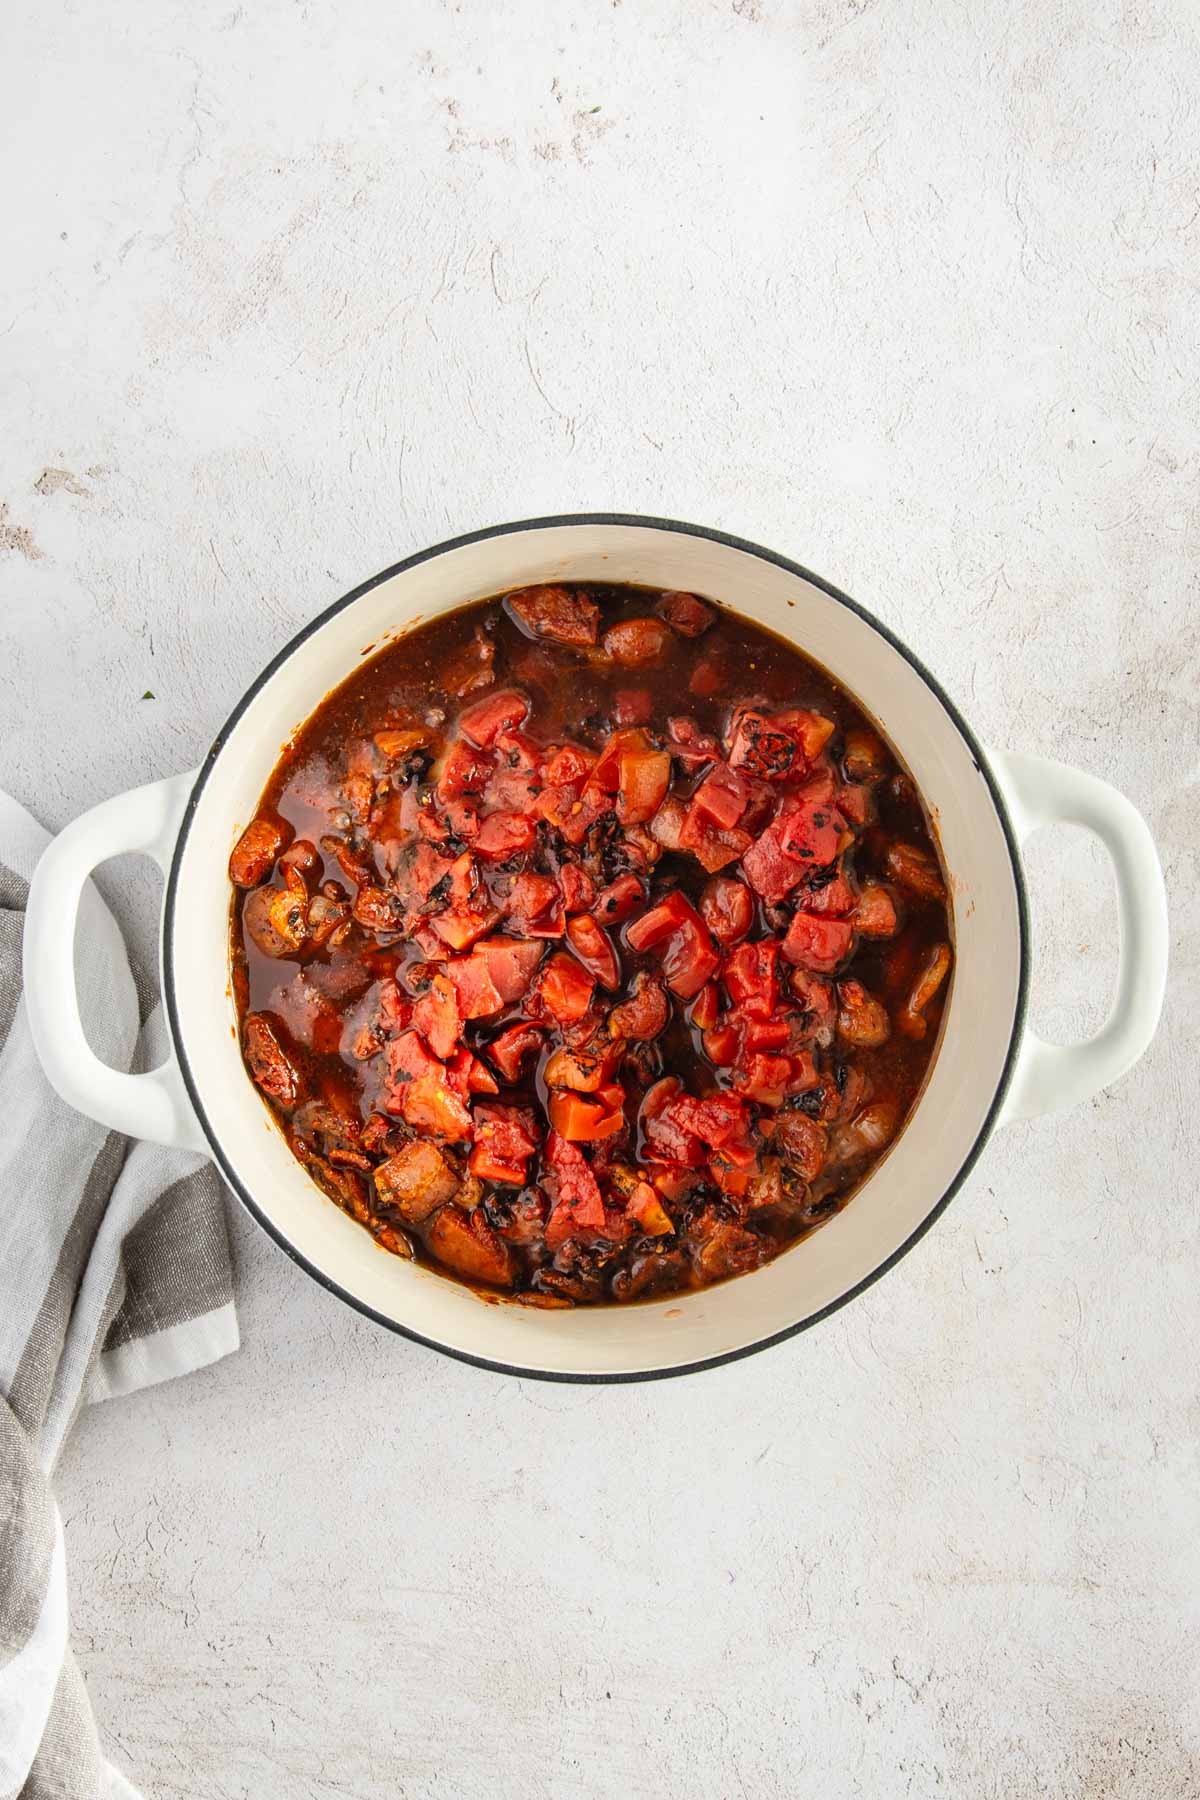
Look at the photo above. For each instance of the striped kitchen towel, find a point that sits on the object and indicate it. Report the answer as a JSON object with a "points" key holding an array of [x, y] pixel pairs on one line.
{"points": [[114, 1273]]}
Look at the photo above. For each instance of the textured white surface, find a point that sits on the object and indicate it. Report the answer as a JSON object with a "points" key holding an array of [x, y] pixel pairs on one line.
{"points": [[909, 292]]}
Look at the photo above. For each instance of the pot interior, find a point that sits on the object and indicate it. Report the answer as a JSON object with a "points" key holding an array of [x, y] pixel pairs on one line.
{"points": [[904, 1189]]}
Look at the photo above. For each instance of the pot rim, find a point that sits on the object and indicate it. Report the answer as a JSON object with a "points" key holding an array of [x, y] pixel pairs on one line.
{"points": [[682, 528]]}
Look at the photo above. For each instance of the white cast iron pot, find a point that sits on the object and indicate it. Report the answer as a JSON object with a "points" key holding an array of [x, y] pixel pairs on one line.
{"points": [[989, 1069]]}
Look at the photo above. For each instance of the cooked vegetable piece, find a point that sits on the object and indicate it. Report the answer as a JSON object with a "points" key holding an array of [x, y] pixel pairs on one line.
{"points": [[685, 613], [563, 614], [483, 722], [254, 853], [267, 1061], [803, 1143], [636, 641], [466, 1243], [875, 914], [277, 918], [862, 1019], [594, 950], [932, 973], [915, 869], [416, 1180], [864, 758]]}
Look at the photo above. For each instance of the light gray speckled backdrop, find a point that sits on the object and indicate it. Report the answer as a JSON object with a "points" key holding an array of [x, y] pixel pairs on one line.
{"points": [[907, 291]]}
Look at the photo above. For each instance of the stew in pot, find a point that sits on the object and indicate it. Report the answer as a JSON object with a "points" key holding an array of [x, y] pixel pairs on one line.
{"points": [[590, 944]]}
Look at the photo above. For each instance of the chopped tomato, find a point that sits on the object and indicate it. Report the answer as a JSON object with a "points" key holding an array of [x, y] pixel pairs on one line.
{"points": [[564, 988], [464, 772], [580, 1120], [509, 1050], [673, 1180], [819, 944], [535, 905], [569, 765], [727, 908], [606, 771], [713, 846], [764, 1078], [518, 751], [820, 785], [832, 900], [689, 959], [476, 991], [511, 964], [487, 1162], [812, 731], [721, 1045], [717, 1121], [483, 722], [655, 926], [463, 926], [766, 1034], [583, 1069], [770, 870], [576, 819], [751, 977], [436, 1016], [642, 782], [516, 783], [761, 747], [805, 1074], [731, 1178], [429, 874], [505, 1139], [577, 887], [458, 816], [457, 1071], [669, 1140], [723, 795], [594, 950], [504, 834], [813, 833], [480, 1079], [408, 1059], [855, 804], [706, 1007], [620, 898], [579, 1204], [429, 1104]]}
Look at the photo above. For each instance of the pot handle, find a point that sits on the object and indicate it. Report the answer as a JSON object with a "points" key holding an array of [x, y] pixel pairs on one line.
{"points": [[1050, 1077], [154, 1105]]}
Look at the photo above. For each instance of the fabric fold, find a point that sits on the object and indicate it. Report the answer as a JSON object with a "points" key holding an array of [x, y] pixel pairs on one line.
{"points": [[115, 1273]]}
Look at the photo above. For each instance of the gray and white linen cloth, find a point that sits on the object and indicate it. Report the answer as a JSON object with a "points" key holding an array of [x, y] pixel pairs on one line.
{"points": [[114, 1273]]}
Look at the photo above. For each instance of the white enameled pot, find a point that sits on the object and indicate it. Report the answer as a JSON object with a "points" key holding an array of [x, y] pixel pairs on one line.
{"points": [[989, 1068]]}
